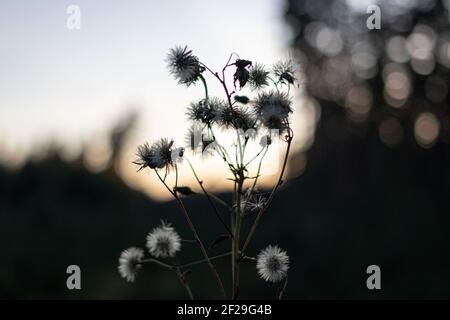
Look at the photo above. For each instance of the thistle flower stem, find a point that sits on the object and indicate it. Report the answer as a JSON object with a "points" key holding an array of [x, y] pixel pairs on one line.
{"points": [[272, 194], [205, 85], [222, 81], [241, 150], [188, 241], [216, 212], [150, 260], [202, 247], [222, 152], [187, 287], [218, 200], [195, 234], [273, 81], [190, 264], [257, 175], [283, 289], [256, 156], [235, 243], [182, 279]]}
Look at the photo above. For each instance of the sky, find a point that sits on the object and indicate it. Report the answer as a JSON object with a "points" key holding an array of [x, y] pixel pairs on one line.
{"points": [[70, 86]]}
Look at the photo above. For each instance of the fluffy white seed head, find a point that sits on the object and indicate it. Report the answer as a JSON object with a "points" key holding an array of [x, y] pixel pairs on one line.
{"points": [[163, 241], [272, 264], [129, 263]]}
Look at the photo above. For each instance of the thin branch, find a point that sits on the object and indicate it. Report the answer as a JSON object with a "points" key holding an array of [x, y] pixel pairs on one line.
{"points": [[190, 264], [150, 260], [216, 212], [181, 276], [218, 200], [194, 232], [283, 289], [205, 86], [256, 156], [188, 241], [272, 194]]}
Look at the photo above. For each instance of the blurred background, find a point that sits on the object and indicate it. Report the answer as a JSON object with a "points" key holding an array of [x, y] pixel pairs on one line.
{"points": [[369, 179]]}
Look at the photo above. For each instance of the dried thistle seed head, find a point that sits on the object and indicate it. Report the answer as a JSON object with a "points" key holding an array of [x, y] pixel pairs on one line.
{"points": [[258, 76], [130, 263], [160, 155], [252, 202], [235, 117], [145, 155], [163, 241], [183, 65], [284, 71], [205, 110], [273, 109], [226, 116], [244, 119], [272, 264], [256, 203]]}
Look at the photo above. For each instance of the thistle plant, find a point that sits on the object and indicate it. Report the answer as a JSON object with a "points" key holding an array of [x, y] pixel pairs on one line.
{"points": [[261, 120]]}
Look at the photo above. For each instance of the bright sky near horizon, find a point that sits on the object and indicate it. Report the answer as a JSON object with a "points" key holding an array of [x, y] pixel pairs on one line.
{"points": [[71, 86]]}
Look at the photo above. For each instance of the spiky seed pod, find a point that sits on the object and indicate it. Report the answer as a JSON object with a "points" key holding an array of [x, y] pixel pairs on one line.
{"points": [[273, 109], [160, 155], [284, 71], [244, 119], [258, 76], [238, 118], [205, 110], [183, 65]]}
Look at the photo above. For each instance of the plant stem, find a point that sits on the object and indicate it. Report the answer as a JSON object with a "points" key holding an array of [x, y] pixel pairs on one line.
{"points": [[190, 264], [235, 243], [217, 199], [181, 276], [202, 247], [187, 287], [216, 212], [195, 234], [256, 177], [165, 265], [283, 289], [222, 152], [272, 194], [204, 85]]}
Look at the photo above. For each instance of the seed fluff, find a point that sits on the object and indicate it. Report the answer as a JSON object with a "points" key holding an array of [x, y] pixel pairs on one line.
{"points": [[129, 263], [272, 264], [163, 241]]}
